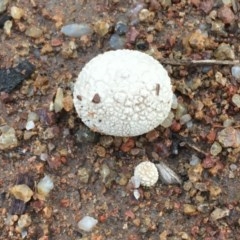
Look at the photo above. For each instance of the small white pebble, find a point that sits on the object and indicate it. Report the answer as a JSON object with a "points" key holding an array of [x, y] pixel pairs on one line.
{"points": [[136, 194], [174, 102], [136, 181], [185, 118], [30, 125], [44, 156], [236, 71], [194, 160], [87, 223], [45, 185], [236, 100], [76, 30]]}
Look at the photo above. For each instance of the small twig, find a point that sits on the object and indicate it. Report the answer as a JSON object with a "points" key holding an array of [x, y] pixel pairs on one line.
{"points": [[198, 62]]}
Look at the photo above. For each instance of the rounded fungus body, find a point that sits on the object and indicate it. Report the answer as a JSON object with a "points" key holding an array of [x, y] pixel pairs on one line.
{"points": [[147, 173], [123, 93]]}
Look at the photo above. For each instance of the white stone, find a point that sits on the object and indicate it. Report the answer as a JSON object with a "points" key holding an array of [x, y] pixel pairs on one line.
{"points": [[30, 125], [87, 223]]}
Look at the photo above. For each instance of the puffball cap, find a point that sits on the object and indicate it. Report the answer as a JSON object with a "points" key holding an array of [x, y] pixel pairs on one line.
{"points": [[147, 173], [123, 93]]}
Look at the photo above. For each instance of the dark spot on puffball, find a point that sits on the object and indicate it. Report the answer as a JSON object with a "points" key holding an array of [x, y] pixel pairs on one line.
{"points": [[96, 99], [79, 97], [157, 89]]}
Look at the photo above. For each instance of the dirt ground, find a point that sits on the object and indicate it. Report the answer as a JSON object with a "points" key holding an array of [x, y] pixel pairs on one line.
{"points": [[91, 172]]}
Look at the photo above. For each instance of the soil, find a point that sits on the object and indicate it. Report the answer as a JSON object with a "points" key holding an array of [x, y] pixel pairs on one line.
{"points": [[91, 172]]}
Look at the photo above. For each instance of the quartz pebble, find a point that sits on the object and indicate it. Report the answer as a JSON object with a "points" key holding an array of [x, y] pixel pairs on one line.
{"points": [[30, 125], [116, 42], [34, 32], [224, 52], [45, 185], [121, 28], [136, 181], [136, 194], [58, 101], [76, 30], [185, 118], [229, 137], [24, 221], [236, 72], [8, 138], [219, 213], [236, 100], [87, 223], [22, 192], [215, 149], [17, 13], [3, 5]]}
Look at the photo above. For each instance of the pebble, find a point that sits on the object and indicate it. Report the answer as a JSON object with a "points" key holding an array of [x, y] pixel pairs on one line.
{"points": [[17, 13], [22, 192], [145, 15], [44, 186], [8, 138], [106, 141], [101, 151], [30, 125], [174, 102], [32, 116], [24, 221], [229, 137], [101, 28], [8, 27], [185, 118], [136, 194], [121, 28], [215, 149], [220, 79], [236, 72], [76, 30], [226, 14], [83, 174], [105, 172], [236, 100], [194, 160], [3, 5], [117, 42], [219, 213], [85, 135], [189, 209], [87, 223], [34, 32], [58, 101], [67, 103], [224, 52], [136, 181]]}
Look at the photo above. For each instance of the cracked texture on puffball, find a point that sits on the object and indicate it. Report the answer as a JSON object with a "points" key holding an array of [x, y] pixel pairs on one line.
{"points": [[123, 93]]}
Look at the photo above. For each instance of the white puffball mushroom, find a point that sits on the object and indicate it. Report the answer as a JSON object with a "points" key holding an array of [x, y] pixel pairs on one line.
{"points": [[123, 93], [147, 173]]}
